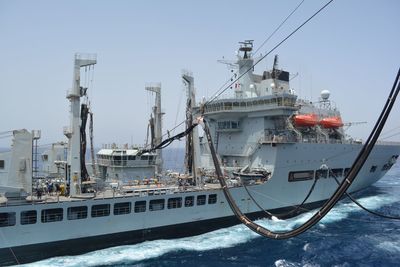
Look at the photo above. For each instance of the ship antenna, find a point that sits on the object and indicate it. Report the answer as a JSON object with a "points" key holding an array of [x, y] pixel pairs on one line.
{"points": [[246, 47], [269, 52], [263, 43], [275, 67]]}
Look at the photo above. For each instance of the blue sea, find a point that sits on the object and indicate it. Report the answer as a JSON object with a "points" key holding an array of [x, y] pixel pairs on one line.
{"points": [[348, 236]]}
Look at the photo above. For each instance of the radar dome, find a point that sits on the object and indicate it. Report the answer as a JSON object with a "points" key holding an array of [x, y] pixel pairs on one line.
{"points": [[325, 94]]}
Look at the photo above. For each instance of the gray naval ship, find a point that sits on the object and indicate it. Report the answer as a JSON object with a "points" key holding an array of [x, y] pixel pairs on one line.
{"points": [[274, 148]]}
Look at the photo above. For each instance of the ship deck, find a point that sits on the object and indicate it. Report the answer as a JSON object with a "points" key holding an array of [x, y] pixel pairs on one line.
{"points": [[123, 192]]}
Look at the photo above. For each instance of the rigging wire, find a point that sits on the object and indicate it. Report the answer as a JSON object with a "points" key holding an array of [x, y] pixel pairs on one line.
{"points": [[6, 136], [91, 84], [391, 130], [288, 213], [178, 107], [6, 132], [280, 25], [91, 137], [387, 137], [363, 207], [263, 43], [269, 52], [304, 209]]}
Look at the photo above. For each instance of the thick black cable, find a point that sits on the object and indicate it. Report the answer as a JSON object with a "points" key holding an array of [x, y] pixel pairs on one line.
{"points": [[366, 209], [83, 142], [169, 140], [331, 202], [269, 52], [284, 214], [168, 131], [270, 215]]}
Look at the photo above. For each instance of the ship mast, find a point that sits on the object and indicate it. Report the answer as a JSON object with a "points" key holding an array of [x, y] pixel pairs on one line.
{"points": [[157, 114], [192, 140], [245, 87], [73, 131]]}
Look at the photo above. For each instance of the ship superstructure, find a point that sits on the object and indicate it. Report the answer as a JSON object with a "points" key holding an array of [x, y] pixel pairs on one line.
{"points": [[123, 164], [265, 112]]}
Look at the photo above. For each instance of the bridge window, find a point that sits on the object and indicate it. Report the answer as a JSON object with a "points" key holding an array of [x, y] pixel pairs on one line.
{"points": [[201, 200], [28, 217], [2, 164], [157, 204], [7, 219], [226, 125], [52, 215], [189, 201], [77, 213], [140, 206], [100, 210], [122, 208], [301, 176], [212, 199], [174, 203]]}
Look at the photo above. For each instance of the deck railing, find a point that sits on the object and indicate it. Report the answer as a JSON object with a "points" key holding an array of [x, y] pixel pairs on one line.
{"points": [[250, 104], [126, 163]]}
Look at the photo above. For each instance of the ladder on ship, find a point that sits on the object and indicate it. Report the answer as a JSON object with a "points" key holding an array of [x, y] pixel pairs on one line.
{"points": [[216, 139], [35, 153]]}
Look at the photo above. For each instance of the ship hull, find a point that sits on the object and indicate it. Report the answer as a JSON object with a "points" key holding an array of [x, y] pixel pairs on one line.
{"points": [[41, 240], [36, 252]]}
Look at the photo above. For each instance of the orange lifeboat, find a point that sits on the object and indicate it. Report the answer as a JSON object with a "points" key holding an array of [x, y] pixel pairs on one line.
{"points": [[305, 120], [331, 122]]}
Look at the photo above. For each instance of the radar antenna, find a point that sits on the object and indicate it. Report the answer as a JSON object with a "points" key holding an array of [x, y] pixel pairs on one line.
{"points": [[246, 46]]}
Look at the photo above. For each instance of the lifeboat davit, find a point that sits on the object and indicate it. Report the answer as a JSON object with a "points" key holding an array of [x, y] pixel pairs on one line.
{"points": [[305, 120], [331, 122]]}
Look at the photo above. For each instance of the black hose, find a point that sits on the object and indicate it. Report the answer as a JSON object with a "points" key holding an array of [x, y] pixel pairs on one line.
{"points": [[84, 116], [364, 208], [168, 141], [284, 214], [270, 215]]}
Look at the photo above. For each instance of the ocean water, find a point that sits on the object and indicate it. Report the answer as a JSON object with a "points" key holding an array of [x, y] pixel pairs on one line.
{"points": [[348, 236]]}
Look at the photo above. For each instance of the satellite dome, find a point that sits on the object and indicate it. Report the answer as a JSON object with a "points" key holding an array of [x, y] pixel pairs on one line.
{"points": [[325, 94]]}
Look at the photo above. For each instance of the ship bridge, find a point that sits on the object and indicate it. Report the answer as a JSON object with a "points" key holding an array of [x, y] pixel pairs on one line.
{"points": [[283, 104]]}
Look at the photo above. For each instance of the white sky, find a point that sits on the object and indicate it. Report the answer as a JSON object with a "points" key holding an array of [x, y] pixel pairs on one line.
{"points": [[351, 49]]}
